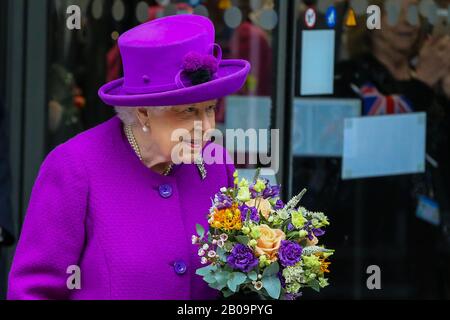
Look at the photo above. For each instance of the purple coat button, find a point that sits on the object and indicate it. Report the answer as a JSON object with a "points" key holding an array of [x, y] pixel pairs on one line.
{"points": [[165, 190], [179, 267]]}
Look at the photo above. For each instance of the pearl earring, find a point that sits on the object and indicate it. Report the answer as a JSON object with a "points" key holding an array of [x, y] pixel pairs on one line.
{"points": [[145, 129]]}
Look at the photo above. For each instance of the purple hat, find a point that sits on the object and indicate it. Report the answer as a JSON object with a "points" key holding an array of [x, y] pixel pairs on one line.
{"points": [[173, 60]]}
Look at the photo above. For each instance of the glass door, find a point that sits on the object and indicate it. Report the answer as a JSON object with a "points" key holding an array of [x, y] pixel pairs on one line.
{"points": [[369, 147]]}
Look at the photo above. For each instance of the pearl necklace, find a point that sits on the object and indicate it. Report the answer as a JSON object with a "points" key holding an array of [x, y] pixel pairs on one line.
{"points": [[132, 140]]}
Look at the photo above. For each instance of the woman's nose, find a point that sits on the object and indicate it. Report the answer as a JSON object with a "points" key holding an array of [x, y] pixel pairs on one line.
{"points": [[206, 122]]}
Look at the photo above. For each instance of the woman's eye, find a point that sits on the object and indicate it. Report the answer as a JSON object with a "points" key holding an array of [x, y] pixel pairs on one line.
{"points": [[190, 110], [211, 108]]}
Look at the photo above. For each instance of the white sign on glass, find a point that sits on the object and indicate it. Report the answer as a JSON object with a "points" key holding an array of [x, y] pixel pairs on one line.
{"points": [[249, 112], [317, 62], [384, 145], [317, 129]]}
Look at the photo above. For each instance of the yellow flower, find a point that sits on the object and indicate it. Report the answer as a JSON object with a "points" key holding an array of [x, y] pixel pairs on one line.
{"points": [[243, 194], [297, 219], [243, 183], [226, 219], [259, 185], [324, 265]]}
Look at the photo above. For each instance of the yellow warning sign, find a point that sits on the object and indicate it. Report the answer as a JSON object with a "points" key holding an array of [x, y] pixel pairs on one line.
{"points": [[225, 4], [350, 20]]}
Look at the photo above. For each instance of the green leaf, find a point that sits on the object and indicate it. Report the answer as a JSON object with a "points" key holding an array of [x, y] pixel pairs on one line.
{"points": [[227, 268], [221, 253], [227, 293], [216, 285], [238, 277], [253, 275], [220, 286], [210, 278], [222, 277], [292, 234], [205, 270], [257, 173], [231, 285], [228, 246], [243, 239], [200, 230], [271, 270], [235, 280], [315, 285], [273, 286]]}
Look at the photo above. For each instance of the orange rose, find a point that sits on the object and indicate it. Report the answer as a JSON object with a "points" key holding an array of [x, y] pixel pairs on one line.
{"points": [[269, 242]]}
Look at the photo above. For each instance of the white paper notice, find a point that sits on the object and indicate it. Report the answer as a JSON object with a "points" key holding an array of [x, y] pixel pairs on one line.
{"points": [[318, 127], [384, 145], [249, 113], [317, 62]]}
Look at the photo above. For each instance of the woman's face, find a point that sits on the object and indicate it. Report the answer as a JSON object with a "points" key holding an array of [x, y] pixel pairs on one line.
{"points": [[190, 121], [402, 36]]}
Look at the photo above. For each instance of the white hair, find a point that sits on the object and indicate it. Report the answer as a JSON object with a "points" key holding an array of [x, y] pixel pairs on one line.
{"points": [[128, 114]]}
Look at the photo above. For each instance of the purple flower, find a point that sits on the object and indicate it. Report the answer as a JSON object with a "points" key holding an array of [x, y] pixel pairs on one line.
{"points": [[293, 296], [253, 193], [245, 210], [282, 279], [279, 204], [318, 232], [315, 232], [271, 191], [289, 253], [222, 201], [268, 192], [242, 258], [275, 190], [290, 226]]}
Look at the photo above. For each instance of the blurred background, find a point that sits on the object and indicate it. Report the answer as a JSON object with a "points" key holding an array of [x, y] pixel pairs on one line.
{"points": [[362, 111]]}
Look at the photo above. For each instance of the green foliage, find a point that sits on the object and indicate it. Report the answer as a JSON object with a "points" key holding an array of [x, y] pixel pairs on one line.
{"points": [[200, 230], [272, 285]]}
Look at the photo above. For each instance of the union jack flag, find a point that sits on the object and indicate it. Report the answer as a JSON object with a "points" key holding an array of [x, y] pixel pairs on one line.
{"points": [[376, 103]]}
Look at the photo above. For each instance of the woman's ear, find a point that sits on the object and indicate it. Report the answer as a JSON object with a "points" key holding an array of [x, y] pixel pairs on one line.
{"points": [[143, 116]]}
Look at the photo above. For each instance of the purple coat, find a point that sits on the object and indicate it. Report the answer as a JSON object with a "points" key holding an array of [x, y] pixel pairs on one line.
{"points": [[128, 228]]}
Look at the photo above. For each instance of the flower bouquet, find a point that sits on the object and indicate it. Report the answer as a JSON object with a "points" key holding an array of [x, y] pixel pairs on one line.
{"points": [[256, 244]]}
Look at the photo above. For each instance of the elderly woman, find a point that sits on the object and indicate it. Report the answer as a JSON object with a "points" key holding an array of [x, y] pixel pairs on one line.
{"points": [[112, 211]]}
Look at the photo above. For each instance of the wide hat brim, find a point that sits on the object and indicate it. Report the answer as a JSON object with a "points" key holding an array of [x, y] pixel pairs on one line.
{"points": [[230, 78]]}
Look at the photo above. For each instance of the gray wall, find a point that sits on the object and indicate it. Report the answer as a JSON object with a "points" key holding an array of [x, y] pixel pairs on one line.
{"points": [[26, 57]]}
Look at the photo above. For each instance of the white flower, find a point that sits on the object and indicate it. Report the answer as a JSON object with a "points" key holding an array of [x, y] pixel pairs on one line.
{"points": [[258, 285], [194, 239], [203, 260], [201, 252], [205, 246], [211, 253], [224, 237], [214, 241], [223, 189], [220, 243]]}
